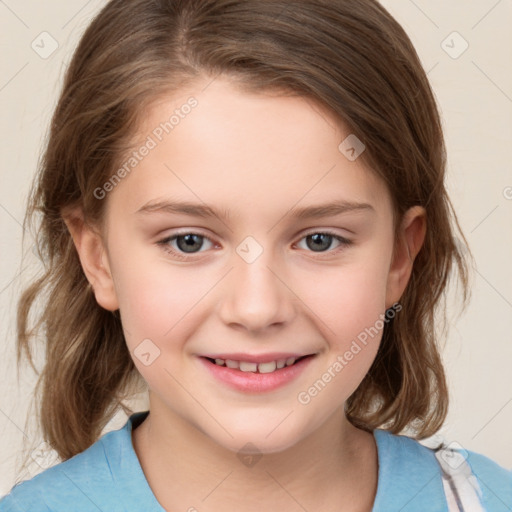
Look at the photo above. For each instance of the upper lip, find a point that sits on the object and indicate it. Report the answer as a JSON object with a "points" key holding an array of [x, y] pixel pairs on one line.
{"points": [[257, 358]]}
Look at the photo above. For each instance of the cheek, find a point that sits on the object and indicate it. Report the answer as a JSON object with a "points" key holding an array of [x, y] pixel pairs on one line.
{"points": [[349, 306], [350, 316], [348, 300], [152, 302], [157, 300]]}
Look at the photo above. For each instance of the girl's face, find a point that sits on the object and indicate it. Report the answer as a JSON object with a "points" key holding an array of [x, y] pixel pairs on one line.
{"points": [[255, 267]]}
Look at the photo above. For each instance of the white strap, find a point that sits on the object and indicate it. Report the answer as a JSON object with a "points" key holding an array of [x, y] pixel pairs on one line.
{"points": [[463, 493]]}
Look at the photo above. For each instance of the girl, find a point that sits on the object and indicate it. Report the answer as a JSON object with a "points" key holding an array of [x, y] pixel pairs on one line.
{"points": [[298, 144]]}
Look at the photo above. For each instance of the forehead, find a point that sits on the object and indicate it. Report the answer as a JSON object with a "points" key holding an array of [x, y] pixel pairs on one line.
{"points": [[248, 152]]}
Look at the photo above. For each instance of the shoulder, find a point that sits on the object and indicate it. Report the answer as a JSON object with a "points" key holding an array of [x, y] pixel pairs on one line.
{"points": [[414, 470], [409, 475], [80, 481], [495, 481]]}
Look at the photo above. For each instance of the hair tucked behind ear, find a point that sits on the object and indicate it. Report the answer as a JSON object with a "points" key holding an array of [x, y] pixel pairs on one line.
{"points": [[350, 56]]}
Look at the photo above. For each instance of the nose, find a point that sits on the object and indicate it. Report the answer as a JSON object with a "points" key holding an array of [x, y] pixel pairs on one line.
{"points": [[256, 294]]}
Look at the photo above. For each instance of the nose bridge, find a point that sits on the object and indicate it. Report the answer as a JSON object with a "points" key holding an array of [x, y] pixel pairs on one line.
{"points": [[256, 295]]}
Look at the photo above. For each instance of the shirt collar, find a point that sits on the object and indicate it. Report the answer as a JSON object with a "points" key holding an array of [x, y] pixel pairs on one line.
{"points": [[409, 477], [134, 489]]}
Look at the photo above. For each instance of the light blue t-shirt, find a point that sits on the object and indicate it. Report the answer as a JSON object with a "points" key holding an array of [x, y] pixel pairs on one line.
{"points": [[108, 477]]}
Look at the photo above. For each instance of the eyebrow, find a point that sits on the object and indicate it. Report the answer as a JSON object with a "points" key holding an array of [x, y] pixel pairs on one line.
{"points": [[205, 211]]}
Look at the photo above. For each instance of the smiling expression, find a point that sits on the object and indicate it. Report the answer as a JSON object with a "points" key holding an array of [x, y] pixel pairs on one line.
{"points": [[245, 235]]}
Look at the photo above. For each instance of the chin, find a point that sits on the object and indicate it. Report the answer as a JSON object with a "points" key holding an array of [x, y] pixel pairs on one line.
{"points": [[257, 438], [257, 446]]}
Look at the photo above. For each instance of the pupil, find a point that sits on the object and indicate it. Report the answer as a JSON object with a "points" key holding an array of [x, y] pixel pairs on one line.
{"points": [[190, 241], [317, 238], [321, 241]]}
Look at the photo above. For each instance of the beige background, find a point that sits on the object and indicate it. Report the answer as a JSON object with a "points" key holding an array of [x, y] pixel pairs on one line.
{"points": [[474, 92]]}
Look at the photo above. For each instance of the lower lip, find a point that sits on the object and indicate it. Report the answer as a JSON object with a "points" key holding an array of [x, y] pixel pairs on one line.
{"points": [[256, 382]]}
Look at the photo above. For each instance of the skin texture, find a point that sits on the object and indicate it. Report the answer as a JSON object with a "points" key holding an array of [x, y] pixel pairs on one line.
{"points": [[260, 156]]}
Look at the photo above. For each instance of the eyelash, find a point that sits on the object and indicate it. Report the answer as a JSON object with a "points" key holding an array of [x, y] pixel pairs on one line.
{"points": [[166, 247]]}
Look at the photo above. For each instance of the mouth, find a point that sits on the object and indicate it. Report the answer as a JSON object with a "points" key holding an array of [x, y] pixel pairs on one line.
{"points": [[254, 367], [267, 373]]}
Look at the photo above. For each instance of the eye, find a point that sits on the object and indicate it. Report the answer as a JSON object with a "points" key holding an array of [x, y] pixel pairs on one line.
{"points": [[321, 241], [187, 243]]}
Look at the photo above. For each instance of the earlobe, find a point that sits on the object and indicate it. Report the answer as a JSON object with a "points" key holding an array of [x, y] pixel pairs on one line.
{"points": [[410, 240], [94, 259]]}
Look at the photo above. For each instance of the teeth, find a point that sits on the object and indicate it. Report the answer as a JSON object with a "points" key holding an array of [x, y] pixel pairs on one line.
{"points": [[246, 366], [267, 367]]}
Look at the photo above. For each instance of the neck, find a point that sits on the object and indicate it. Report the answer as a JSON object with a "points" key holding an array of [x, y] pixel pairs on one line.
{"points": [[335, 468]]}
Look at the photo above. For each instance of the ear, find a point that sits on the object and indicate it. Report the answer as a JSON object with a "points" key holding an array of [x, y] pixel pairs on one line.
{"points": [[93, 257], [408, 244]]}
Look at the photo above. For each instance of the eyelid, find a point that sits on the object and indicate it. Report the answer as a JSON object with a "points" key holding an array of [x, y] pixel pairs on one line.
{"points": [[326, 231], [345, 242], [164, 242]]}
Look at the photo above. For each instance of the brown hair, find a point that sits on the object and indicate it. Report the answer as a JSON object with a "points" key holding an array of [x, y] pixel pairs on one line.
{"points": [[350, 56]]}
